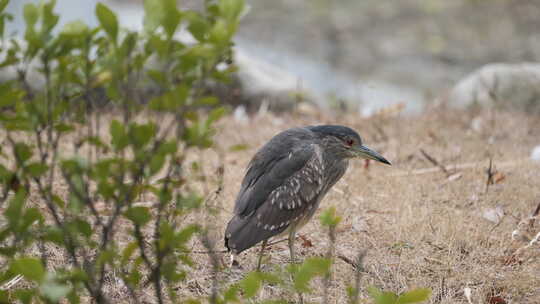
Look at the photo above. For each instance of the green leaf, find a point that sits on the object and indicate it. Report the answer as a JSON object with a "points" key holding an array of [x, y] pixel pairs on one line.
{"points": [[4, 296], [54, 290], [54, 235], [25, 295], [14, 210], [231, 9], [128, 251], [185, 234], [23, 152], [231, 294], [105, 256], [64, 128], [142, 134], [198, 26], [152, 15], [207, 101], [49, 18], [308, 270], [30, 268], [108, 21], [171, 100], [138, 215], [31, 215], [158, 76], [330, 218], [414, 296], [215, 115], [161, 13], [3, 4], [31, 14], [168, 147], [221, 33], [118, 133], [251, 284], [238, 147], [171, 272], [128, 44], [75, 28], [5, 174], [156, 163], [36, 169], [171, 18], [83, 227], [382, 297], [9, 94]]}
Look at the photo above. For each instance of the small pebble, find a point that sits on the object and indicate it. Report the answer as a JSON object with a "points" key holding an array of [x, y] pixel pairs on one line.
{"points": [[535, 154]]}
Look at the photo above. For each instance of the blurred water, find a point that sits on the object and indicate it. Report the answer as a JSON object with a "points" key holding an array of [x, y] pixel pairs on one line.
{"points": [[327, 84], [324, 84], [70, 10]]}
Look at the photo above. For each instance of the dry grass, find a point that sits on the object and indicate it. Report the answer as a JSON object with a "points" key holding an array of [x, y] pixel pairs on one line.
{"points": [[419, 227], [420, 230]]}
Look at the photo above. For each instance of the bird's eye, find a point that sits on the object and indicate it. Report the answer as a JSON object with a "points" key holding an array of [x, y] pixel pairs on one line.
{"points": [[350, 142]]}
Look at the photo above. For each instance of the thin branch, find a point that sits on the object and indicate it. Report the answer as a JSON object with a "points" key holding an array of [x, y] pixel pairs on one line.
{"points": [[471, 165], [490, 173], [435, 162]]}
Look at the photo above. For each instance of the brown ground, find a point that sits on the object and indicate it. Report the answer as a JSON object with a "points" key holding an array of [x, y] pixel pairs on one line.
{"points": [[419, 227]]}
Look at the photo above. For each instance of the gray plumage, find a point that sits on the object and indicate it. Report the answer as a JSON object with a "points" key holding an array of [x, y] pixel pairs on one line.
{"points": [[286, 180]]}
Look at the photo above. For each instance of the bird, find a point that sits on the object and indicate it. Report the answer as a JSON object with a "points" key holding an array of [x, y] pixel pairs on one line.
{"points": [[285, 182]]}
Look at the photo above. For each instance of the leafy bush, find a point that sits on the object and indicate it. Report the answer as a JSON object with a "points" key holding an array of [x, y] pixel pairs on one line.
{"points": [[55, 138]]}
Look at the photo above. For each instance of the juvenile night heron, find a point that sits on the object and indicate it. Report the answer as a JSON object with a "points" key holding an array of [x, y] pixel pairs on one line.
{"points": [[287, 179]]}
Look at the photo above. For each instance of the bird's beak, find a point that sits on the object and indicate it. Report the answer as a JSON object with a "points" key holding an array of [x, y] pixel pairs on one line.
{"points": [[365, 152]]}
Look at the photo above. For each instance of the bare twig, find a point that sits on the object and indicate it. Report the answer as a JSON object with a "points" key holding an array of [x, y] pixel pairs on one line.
{"points": [[490, 173], [329, 255], [347, 260], [215, 262], [225, 251], [471, 165], [434, 161], [537, 210], [16, 279], [357, 275]]}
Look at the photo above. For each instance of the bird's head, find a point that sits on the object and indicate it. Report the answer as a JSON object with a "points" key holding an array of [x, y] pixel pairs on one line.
{"points": [[345, 142]]}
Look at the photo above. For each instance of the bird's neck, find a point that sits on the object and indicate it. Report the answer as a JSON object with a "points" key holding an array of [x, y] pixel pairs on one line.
{"points": [[334, 169]]}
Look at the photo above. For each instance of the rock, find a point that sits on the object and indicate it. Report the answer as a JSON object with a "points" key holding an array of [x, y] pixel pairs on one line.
{"points": [[508, 86], [493, 214], [477, 124], [360, 224], [535, 153], [240, 115]]}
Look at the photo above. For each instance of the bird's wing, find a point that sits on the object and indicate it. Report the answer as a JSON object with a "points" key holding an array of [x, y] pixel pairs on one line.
{"points": [[266, 208], [273, 168]]}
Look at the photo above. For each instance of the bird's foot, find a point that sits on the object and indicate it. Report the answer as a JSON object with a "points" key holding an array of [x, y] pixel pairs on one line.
{"points": [[234, 262]]}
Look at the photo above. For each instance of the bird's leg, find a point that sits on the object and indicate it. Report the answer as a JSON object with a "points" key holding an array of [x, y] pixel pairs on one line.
{"points": [[234, 262], [292, 236], [263, 246]]}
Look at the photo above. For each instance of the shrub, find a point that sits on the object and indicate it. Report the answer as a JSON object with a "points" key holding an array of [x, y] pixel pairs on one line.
{"points": [[71, 174]]}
